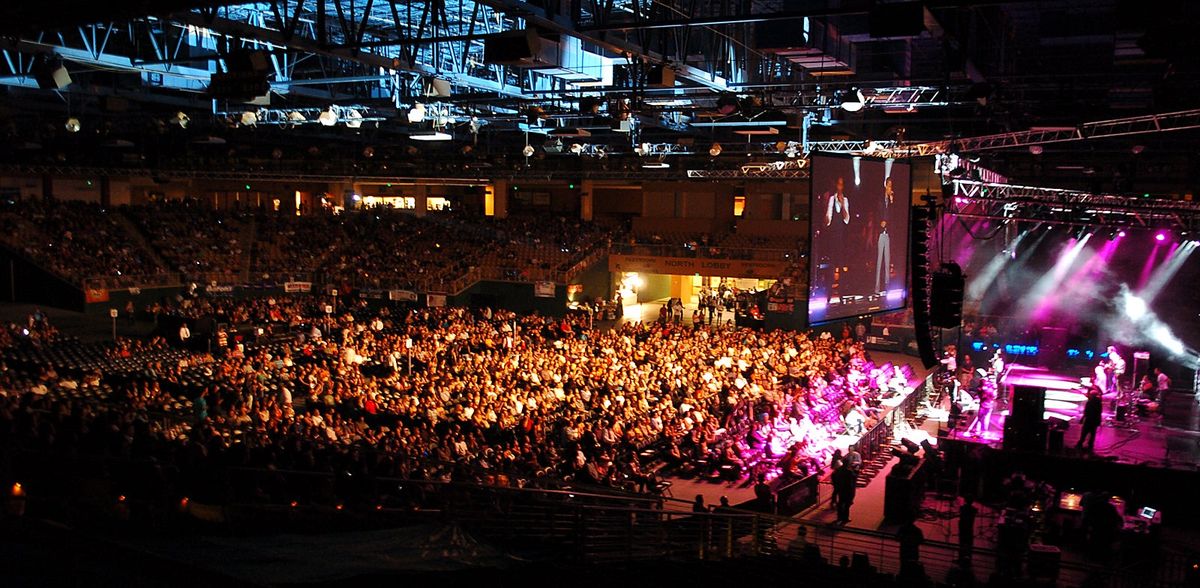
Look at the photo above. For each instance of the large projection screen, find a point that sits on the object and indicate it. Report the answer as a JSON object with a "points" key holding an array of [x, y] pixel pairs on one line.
{"points": [[860, 217]]}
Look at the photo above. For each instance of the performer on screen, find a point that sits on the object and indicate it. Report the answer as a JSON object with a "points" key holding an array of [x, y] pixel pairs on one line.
{"points": [[837, 221], [883, 256]]}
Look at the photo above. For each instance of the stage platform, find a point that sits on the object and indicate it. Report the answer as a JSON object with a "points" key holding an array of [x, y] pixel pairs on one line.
{"points": [[1166, 437]]}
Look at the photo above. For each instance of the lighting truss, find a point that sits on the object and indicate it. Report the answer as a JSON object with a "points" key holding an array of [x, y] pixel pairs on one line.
{"points": [[907, 98], [977, 199], [1136, 125], [748, 171], [307, 116]]}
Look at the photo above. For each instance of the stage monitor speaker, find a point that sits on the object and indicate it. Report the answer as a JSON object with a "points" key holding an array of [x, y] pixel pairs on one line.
{"points": [[1025, 435], [51, 74], [946, 297]]}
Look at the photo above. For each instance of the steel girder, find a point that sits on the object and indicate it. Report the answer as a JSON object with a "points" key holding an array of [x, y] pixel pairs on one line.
{"points": [[972, 198], [1136, 125]]}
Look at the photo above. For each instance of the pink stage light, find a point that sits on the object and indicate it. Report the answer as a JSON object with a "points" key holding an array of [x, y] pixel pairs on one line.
{"points": [[1120, 233], [1160, 237]]}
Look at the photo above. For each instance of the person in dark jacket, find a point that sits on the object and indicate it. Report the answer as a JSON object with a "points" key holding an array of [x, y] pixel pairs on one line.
{"points": [[1092, 411]]}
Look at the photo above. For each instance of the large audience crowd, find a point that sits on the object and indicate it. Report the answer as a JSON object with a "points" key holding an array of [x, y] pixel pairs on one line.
{"points": [[447, 394], [377, 247], [75, 239]]}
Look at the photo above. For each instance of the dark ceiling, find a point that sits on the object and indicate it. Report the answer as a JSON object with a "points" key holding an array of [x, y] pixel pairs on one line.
{"points": [[640, 78]]}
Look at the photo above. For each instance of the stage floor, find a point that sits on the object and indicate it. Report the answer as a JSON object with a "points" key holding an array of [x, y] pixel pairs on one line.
{"points": [[1170, 440]]}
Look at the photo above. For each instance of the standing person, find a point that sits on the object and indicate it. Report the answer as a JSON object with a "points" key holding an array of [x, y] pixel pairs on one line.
{"points": [[1092, 411], [966, 528], [910, 538], [1162, 384], [987, 401], [845, 485], [835, 464], [853, 459], [1116, 369]]}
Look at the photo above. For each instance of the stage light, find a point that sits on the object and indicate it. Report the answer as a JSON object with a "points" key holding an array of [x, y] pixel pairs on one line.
{"points": [[73, 125], [296, 118], [576, 148], [1135, 308], [249, 118], [328, 117], [1036, 149], [715, 150], [417, 113], [1163, 336], [181, 119], [430, 136], [1160, 236], [853, 102], [528, 151], [1121, 233], [354, 119]]}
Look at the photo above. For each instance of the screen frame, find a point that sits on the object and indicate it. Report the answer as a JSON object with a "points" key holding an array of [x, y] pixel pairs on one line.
{"points": [[813, 164]]}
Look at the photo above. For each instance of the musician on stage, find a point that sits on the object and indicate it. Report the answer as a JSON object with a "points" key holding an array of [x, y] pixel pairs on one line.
{"points": [[987, 401], [1114, 369]]}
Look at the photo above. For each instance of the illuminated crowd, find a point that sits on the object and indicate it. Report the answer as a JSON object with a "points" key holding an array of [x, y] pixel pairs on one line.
{"points": [[450, 393]]}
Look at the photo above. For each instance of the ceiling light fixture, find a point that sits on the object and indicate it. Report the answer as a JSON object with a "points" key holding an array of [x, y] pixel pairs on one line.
{"points": [[430, 136], [417, 113], [328, 117], [854, 101]]}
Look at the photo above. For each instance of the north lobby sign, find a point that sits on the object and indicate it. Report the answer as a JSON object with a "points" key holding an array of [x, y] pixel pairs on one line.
{"points": [[728, 268]]}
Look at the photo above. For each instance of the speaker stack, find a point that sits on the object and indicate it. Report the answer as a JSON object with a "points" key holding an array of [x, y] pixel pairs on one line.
{"points": [[1025, 428], [919, 236]]}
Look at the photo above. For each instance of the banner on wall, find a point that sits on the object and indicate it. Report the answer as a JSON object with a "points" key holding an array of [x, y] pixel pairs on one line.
{"points": [[733, 268], [543, 289], [402, 295], [435, 300], [94, 295], [297, 286]]}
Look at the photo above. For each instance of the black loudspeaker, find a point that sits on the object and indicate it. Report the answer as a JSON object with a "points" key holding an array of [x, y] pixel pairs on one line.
{"points": [[922, 218], [1025, 435], [512, 48], [946, 296], [1028, 404], [50, 73], [1052, 347]]}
